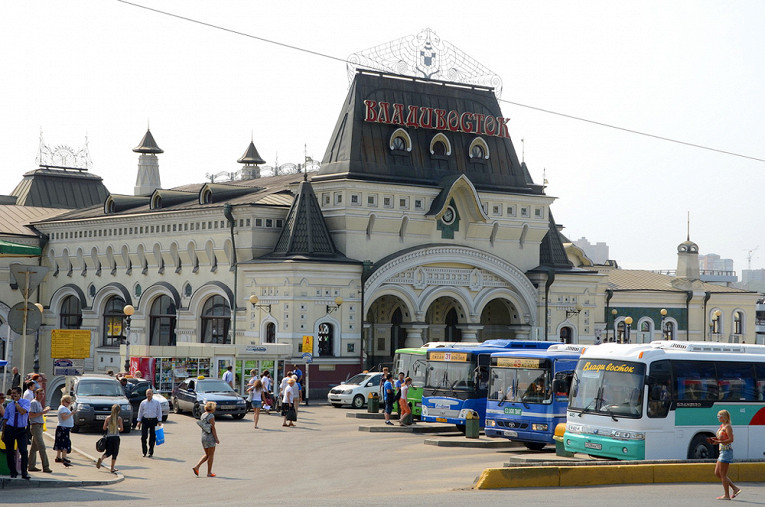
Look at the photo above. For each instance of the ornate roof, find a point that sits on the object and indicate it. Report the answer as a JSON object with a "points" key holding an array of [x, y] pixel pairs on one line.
{"points": [[551, 250], [148, 144], [251, 156], [60, 188]]}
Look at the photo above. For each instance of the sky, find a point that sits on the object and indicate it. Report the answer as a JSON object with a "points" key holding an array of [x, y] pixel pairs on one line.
{"points": [[690, 71]]}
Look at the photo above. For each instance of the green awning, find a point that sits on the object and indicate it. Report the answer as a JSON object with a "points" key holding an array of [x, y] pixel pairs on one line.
{"points": [[9, 249]]}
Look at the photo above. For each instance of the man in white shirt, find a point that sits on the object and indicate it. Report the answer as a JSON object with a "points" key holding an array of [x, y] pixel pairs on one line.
{"points": [[149, 417], [228, 376], [29, 394]]}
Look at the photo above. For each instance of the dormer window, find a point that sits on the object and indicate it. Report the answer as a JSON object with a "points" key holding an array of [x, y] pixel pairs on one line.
{"points": [[207, 197], [440, 147], [156, 202], [479, 150], [400, 142]]}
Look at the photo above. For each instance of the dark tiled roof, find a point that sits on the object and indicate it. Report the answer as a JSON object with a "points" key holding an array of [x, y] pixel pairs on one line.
{"points": [[360, 149], [148, 144], [551, 251], [251, 156], [59, 188], [305, 234]]}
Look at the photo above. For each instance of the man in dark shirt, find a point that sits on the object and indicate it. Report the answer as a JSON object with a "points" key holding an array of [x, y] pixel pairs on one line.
{"points": [[16, 378], [15, 432]]}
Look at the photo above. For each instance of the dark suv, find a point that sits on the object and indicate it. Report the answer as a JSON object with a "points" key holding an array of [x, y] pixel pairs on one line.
{"points": [[136, 393], [192, 394]]}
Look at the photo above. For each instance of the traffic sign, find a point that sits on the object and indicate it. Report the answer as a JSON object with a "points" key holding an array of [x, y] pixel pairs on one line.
{"points": [[16, 318], [28, 277], [308, 344], [307, 357]]}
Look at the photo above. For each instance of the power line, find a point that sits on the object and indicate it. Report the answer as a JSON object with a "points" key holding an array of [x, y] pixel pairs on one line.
{"points": [[540, 109]]}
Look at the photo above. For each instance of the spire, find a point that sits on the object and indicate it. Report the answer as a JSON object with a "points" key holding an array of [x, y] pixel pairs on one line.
{"points": [[251, 156], [148, 145]]}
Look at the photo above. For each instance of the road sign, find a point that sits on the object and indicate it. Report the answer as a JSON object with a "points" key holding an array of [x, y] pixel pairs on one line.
{"points": [[307, 357], [28, 277], [71, 343], [308, 344], [16, 318]]}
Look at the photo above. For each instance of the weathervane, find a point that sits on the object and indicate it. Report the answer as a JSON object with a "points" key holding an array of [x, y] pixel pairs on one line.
{"points": [[425, 56], [63, 157]]}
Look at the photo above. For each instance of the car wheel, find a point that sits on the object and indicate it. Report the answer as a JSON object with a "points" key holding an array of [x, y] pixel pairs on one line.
{"points": [[238, 416], [176, 406], [535, 446], [337, 405], [358, 401], [164, 417], [75, 429], [197, 411], [701, 449]]}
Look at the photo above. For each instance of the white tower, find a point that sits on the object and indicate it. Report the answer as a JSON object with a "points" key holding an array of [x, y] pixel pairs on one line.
{"points": [[147, 180]]}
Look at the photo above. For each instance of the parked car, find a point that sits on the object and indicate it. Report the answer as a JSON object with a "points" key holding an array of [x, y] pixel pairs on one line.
{"points": [[136, 393], [192, 394], [94, 396], [355, 390]]}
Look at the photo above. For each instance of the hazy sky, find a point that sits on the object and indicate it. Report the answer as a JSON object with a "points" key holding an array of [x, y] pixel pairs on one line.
{"points": [[691, 71]]}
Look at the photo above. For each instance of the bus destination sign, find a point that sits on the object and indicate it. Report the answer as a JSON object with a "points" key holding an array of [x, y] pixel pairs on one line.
{"points": [[449, 356], [517, 362]]}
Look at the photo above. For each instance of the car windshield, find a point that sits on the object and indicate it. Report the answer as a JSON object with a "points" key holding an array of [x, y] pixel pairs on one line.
{"points": [[213, 386], [99, 388], [359, 379], [608, 387]]}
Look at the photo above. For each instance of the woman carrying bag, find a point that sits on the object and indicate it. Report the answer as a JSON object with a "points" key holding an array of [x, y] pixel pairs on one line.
{"points": [[209, 438], [112, 427], [288, 400]]}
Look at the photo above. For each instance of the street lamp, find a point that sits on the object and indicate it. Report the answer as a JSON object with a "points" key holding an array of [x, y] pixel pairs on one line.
{"points": [[627, 321], [332, 308], [36, 364], [663, 313], [254, 302], [574, 311], [714, 326], [128, 310], [613, 321]]}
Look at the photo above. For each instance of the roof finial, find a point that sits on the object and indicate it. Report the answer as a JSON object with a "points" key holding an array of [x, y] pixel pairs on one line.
{"points": [[523, 151], [689, 226]]}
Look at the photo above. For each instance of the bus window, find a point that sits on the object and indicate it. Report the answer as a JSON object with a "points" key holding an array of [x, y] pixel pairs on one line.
{"points": [[418, 372], [736, 381], [760, 369], [695, 380], [659, 389]]}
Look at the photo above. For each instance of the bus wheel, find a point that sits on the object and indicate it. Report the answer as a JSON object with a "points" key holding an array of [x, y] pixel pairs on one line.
{"points": [[535, 446], [700, 448]]}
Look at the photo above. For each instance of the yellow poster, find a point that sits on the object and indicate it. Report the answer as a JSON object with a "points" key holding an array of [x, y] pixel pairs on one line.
{"points": [[448, 356], [308, 344], [70, 343]]}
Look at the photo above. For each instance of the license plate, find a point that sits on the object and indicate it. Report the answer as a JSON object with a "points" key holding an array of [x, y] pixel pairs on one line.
{"points": [[510, 433], [101, 417], [592, 445], [228, 407], [441, 419]]}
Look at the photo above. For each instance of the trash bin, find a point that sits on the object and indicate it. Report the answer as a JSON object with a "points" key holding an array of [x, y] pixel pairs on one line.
{"points": [[373, 403], [472, 424], [560, 448]]}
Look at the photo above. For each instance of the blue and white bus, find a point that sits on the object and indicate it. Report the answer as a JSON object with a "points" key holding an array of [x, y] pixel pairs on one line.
{"points": [[457, 379], [528, 393]]}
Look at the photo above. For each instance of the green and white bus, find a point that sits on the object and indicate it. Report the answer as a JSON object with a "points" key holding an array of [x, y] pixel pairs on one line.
{"points": [[660, 400]]}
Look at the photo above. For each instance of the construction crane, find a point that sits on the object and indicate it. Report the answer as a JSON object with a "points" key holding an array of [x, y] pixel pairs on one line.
{"points": [[749, 257]]}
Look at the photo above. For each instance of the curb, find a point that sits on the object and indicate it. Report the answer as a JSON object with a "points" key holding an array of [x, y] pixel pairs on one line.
{"points": [[425, 428], [366, 415], [617, 473], [472, 442]]}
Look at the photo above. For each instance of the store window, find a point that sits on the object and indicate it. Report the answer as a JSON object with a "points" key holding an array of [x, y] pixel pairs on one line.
{"points": [[162, 322], [216, 320], [114, 322], [71, 313], [326, 340]]}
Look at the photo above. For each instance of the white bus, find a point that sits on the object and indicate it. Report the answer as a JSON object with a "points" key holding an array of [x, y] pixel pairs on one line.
{"points": [[660, 400]]}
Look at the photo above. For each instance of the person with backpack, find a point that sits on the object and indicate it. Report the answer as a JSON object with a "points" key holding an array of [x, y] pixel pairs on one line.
{"points": [[389, 397]]}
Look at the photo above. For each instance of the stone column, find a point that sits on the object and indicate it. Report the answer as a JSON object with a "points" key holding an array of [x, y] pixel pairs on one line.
{"points": [[469, 331], [414, 334]]}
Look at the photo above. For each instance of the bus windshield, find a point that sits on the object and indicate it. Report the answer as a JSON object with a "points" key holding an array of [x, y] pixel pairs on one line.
{"points": [[527, 385], [612, 388], [411, 365], [450, 375]]}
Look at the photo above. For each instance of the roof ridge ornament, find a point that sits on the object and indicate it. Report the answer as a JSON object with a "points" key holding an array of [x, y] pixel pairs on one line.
{"points": [[63, 156], [426, 56]]}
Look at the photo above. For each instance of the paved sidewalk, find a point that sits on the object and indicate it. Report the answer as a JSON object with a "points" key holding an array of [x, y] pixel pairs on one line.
{"points": [[83, 471]]}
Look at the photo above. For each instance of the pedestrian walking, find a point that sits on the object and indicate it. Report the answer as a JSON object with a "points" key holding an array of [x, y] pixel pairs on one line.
{"points": [[297, 396], [388, 397], [63, 442], [228, 376], [16, 382], [209, 439], [15, 432], [288, 401], [36, 422], [256, 397], [725, 439], [149, 417], [112, 427], [29, 394], [403, 405]]}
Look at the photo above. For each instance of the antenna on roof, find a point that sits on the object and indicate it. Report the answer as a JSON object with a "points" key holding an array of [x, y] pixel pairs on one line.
{"points": [[689, 226], [523, 151]]}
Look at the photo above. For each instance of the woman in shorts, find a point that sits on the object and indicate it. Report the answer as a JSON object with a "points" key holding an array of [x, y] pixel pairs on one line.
{"points": [[63, 442], [725, 439], [256, 394]]}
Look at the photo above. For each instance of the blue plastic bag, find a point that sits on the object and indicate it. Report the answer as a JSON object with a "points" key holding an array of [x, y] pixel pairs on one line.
{"points": [[160, 434]]}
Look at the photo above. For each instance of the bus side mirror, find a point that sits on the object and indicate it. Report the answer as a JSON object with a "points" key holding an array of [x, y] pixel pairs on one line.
{"points": [[560, 386]]}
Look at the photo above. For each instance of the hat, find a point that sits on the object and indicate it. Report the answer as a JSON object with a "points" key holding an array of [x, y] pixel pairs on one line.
{"points": [[36, 376]]}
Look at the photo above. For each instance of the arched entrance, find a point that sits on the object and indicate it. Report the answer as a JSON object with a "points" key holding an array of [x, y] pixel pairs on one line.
{"points": [[566, 334]]}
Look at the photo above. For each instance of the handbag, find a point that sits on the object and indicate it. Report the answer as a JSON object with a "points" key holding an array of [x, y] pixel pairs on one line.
{"points": [[159, 435], [101, 444], [291, 414], [204, 424]]}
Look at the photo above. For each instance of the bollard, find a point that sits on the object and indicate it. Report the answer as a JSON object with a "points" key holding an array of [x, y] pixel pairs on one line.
{"points": [[472, 424], [560, 448], [373, 403]]}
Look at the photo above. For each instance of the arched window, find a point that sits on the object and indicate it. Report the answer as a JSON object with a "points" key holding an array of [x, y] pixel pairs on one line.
{"points": [[738, 323], [400, 141], [439, 149], [216, 319], [478, 150], [114, 322], [669, 330], [71, 313], [326, 340], [270, 332], [162, 322]]}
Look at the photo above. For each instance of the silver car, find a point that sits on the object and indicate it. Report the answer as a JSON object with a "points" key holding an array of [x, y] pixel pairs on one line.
{"points": [[93, 397]]}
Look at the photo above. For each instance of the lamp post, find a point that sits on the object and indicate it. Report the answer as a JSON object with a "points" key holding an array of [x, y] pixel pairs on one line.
{"points": [[574, 311], [338, 301], [663, 313], [627, 321], [714, 326], [128, 310], [613, 321], [36, 364]]}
